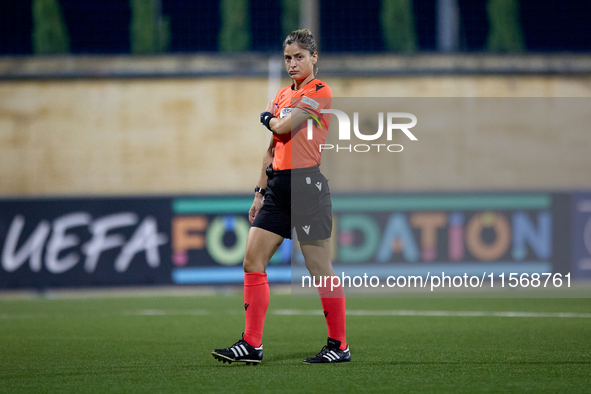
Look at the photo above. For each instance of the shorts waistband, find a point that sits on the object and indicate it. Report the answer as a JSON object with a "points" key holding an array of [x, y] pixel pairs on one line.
{"points": [[297, 171]]}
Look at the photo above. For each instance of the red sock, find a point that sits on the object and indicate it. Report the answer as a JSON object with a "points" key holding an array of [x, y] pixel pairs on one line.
{"points": [[333, 303], [256, 301]]}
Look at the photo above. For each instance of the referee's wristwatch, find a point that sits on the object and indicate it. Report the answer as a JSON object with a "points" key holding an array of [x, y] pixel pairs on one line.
{"points": [[259, 190]]}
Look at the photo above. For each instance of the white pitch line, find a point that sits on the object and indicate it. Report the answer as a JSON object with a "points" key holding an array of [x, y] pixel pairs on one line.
{"points": [[298, 312], [140, 312], [303, 312], [6, 316], [164, 312]]}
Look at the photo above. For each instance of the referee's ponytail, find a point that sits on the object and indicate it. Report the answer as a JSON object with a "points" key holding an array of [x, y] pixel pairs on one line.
{"points": [[305, 40]]}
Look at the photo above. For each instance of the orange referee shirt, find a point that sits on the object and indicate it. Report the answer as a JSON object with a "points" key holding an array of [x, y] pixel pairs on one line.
{"points": [[294, 149]]}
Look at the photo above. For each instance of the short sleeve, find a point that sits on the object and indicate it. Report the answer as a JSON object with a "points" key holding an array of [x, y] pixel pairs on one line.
{"points": [[316, 98]]}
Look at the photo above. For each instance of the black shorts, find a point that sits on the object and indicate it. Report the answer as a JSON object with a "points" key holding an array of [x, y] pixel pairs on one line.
{"points": [[297, 198]]}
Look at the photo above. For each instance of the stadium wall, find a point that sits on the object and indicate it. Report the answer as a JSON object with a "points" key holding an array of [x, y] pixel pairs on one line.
{"points": [[121, 135]]}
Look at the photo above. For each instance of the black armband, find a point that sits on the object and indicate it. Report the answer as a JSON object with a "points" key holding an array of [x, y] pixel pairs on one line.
{"points": [[266, 118]]}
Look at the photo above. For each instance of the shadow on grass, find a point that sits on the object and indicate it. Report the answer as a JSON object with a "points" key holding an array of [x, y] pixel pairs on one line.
{"points": [[297, 357]]}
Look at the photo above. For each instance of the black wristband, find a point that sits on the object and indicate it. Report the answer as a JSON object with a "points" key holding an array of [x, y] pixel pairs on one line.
{"points": [[260, 190], [266, 118]]}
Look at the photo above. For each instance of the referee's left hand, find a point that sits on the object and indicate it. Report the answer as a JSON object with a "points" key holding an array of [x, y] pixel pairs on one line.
{"points": [[269, 107]]}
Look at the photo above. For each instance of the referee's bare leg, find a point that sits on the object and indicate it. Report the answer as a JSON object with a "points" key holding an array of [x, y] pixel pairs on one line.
{"points": [[261, 245], [317, 257]]}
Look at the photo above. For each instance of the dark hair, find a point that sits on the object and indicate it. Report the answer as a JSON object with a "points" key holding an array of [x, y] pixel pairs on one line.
{"points": [[303, 38]]}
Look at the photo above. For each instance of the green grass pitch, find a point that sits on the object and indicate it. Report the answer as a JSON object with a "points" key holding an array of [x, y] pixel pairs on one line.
{"points": [[163, 344]]}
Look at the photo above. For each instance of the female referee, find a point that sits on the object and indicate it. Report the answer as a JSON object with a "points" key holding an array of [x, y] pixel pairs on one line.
{"points": [[292, 193]]}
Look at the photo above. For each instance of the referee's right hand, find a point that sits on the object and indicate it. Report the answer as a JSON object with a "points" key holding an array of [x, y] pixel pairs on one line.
{"points": [[256, 207]]}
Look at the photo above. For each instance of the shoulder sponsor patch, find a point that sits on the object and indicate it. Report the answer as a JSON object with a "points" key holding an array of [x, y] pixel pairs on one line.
{"points": [[312, 103], [284, 112]]}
